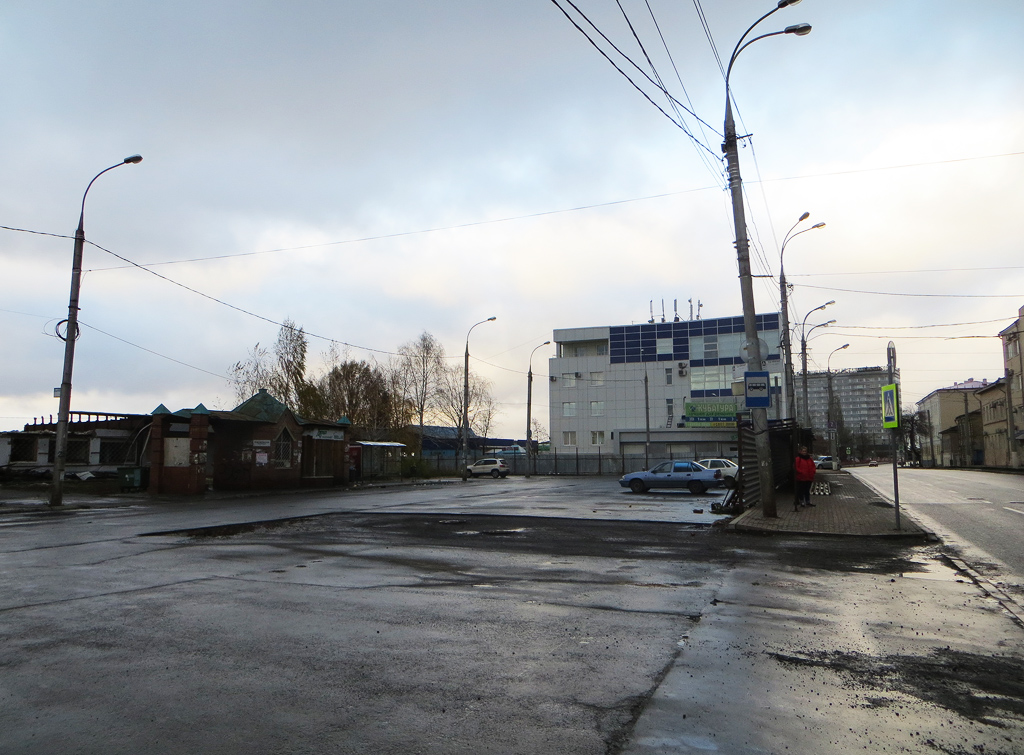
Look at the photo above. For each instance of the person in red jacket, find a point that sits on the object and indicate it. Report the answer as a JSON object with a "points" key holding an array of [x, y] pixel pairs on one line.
{"points": [[805, 470]]}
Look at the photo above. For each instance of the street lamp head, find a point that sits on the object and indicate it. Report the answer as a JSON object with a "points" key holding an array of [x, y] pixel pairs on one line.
{"points": [[831, 322], [799, 29], [818, 225], [489, 319], [787, 3], [133, 159], [804, 217], [546, 343]]}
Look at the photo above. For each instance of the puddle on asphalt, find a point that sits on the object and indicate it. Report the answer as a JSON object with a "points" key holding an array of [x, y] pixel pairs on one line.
{"points": [[933, 570]]}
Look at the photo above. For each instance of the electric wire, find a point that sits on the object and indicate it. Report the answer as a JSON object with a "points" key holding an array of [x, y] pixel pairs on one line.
{"points": [[661, 83], [898, 293], [715, 169], [632, 63]]}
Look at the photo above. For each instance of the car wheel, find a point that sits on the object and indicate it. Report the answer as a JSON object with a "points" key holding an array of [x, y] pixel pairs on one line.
{"points": [[637, 486], [696, 487], [729, 482], [495, 474]]}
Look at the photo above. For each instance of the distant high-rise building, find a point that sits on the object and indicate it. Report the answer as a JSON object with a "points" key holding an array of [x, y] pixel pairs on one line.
{"points": [[857, 409]]}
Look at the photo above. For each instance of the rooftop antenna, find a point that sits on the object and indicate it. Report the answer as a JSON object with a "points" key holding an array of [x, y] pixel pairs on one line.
{"points": [[691, 307], [675, 309], [663, 310], [651, 321], [699, 307]]}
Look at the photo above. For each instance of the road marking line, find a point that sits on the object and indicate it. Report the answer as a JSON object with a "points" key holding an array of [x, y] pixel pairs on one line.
{"points": [[1015, 511]]}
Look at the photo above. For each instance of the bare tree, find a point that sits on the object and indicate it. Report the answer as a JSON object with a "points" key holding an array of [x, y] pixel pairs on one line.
{"points": [[422, 364], [282, 372], [450, 399]]}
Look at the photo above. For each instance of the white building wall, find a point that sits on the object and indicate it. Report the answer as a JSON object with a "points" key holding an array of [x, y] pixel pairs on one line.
{"points": [[586, 352]]}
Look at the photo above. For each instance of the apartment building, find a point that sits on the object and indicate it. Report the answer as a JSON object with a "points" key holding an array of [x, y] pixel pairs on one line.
{"points": [[857, 408]]}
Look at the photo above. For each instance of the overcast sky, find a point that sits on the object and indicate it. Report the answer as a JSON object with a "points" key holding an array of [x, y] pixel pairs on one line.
{"points": [[424, 166]]}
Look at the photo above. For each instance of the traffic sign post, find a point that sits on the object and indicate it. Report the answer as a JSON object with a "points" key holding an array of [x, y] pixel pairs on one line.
{"points": [[891, 421]]}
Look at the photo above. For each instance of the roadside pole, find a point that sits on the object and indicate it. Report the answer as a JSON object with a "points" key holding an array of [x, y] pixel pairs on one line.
{"points": [[891, 421]]}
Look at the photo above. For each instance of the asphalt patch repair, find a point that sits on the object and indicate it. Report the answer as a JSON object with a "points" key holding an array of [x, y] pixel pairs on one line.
{"points": [[577, 537]]}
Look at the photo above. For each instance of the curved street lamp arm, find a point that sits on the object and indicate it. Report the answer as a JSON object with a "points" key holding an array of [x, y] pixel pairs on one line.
{"points": [[133, 159]]}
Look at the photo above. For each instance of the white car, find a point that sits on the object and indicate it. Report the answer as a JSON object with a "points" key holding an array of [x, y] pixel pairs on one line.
{"points": [[494, 467], [728, 467]]}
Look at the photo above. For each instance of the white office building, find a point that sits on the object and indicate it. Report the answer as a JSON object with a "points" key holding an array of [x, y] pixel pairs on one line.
{"points": [[692, 367]]}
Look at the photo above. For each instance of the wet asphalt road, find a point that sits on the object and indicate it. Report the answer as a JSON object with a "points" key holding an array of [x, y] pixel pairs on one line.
{"points": [[980, 514], [540, 616]]}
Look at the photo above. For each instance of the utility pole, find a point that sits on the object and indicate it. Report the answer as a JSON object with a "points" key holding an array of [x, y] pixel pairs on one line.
{"points": [[647, 420], [69, 338], [755, 363]]}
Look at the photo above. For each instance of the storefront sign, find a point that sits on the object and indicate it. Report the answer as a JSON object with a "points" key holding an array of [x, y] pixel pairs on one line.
{"points": [[705, 414]]}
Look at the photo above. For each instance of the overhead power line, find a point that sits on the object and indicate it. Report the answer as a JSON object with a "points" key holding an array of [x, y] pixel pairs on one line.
{"points": [[904, 293]]}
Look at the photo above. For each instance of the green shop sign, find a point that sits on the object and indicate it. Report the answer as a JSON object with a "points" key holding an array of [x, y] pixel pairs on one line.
{"points": [[700, 414]]}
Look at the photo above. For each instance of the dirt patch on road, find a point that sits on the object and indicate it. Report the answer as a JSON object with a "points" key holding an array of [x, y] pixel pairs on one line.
{"points": [[986, 689]]}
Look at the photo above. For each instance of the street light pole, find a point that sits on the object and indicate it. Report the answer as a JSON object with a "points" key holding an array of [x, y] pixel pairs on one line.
{"points": [[833, 446], [759, 417], [787, 349], [803, 355], [69, 338], [530, 455], [465, 404]]}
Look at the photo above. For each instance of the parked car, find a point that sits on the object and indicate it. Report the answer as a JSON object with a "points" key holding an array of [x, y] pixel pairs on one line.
{"points": [[873, 463], [494, 467], [673, 474], [825, 462], [729, 469]]}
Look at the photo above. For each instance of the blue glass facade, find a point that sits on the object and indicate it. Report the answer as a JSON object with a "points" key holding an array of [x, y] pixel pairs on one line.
{"points": [[639, 343]]}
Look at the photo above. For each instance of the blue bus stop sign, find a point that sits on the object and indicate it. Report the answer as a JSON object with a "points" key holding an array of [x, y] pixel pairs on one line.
{"points": [[757, 390]]}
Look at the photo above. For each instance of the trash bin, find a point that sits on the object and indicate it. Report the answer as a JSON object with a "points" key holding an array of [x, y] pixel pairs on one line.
{"points": [[132, 478]]}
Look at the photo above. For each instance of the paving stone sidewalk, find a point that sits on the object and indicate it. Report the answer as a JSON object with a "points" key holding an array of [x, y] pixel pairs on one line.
{"points": [[843, 505]]}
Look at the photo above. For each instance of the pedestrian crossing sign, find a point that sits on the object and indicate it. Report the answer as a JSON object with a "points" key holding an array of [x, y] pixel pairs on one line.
{"points": [[890, 407]]}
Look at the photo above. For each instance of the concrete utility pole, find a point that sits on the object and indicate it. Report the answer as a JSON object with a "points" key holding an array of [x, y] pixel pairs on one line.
{"points": [[755, 362], [530, 455], [69, 338]]}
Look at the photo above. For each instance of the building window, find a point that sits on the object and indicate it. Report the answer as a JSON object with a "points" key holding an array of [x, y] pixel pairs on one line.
{"points": [[283, 450], [569, 379], [668, 376], [597, 378], [602, 349], [1012, 348], [597, 408], [664, 345], [568, 437], [569, 409], [597, 437], [711, 347], [23, 448]]}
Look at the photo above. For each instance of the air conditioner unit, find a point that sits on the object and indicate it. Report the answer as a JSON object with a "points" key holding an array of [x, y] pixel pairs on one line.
{"points": [[553, 379]]}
